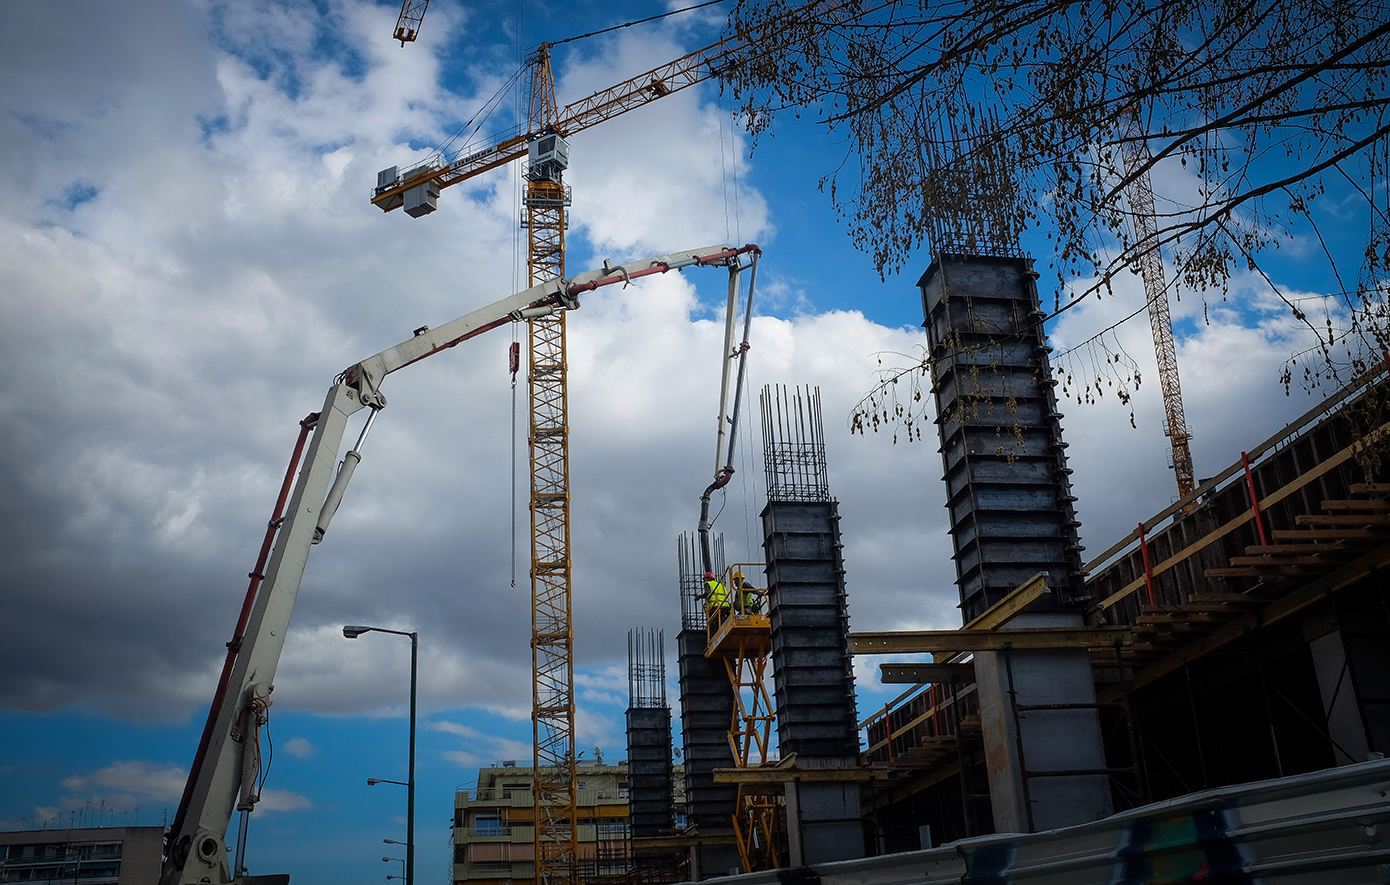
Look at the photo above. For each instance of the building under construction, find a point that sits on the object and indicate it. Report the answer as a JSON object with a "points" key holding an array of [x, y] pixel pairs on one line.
{"points": [[1211, 693]]}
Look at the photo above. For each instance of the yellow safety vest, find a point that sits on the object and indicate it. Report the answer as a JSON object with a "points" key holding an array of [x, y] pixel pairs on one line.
{"points": [[718, 596]]}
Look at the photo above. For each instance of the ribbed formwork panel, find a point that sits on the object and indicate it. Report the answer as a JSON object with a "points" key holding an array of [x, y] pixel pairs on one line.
{"points": [[813, 677], [1007, 482], [707, 709], [649, 770]]}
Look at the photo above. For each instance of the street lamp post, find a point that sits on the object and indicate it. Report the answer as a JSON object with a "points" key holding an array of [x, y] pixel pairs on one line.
{"points": [[351, 632], [402, 863]]}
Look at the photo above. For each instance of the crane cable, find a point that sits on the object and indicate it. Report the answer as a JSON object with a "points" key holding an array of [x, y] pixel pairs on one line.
{"points": [[639, 21]]}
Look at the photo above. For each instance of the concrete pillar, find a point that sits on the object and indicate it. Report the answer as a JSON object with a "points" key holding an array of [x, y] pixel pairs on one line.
{"points": [[1053, 740], [1338, 692], [824, 822]]}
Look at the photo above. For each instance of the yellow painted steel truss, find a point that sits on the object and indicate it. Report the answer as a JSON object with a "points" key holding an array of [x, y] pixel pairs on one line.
{"points": [[552, 626], [740, 634]]}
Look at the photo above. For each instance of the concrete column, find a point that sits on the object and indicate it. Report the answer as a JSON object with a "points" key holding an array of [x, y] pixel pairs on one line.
{"points": [[1338, 692], [1053, 740], [824, 822]]}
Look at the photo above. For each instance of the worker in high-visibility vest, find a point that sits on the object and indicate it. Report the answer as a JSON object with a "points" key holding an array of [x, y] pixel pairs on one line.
{"points": [[716, 597], [750, 597]]}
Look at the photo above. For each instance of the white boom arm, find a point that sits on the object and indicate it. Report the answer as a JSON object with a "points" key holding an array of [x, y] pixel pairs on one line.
{"points": [[225, 768]]}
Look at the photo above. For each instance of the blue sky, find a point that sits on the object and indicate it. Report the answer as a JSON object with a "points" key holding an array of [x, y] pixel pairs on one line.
{"points": [[190, 256]]}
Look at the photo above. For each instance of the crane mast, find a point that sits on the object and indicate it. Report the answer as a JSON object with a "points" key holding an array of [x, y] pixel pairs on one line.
{"points": [[1141, 207], [552, 623]]}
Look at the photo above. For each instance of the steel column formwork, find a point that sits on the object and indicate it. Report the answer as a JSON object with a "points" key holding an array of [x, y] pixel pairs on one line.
{"points": [[649, 768], [707, 707], [1007, 482], [1011, 517], [813, 671]]}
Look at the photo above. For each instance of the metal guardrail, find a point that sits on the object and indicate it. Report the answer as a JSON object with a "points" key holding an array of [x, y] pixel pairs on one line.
{"points": [[1331, 827]]}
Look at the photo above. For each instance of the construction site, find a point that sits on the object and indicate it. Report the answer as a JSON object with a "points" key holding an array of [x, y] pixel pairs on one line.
{"points": [[1206, 699]]}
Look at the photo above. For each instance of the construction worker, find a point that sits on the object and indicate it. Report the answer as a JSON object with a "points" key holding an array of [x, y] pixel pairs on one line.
{"points": [[716, 597], [752, 598]]}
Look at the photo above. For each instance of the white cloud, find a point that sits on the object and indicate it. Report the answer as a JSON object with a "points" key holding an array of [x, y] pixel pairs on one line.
{"points": [[480, 748], [282, 800], [300, 747], [158, 782]]}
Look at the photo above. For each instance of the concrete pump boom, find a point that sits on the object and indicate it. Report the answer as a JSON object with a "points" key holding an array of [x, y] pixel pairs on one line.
{"points": [[223, 777]]}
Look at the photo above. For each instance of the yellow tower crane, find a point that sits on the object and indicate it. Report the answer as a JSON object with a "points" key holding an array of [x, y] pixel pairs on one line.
{"points": [[1150, 261], [544, 142]]}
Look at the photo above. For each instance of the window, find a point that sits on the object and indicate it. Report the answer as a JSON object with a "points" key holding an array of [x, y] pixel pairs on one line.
{"points": [[612, 829], [489, 826]]}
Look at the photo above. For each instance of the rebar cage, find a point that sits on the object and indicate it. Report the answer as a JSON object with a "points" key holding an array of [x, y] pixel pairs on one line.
{"points": [[692, 578], [646, 667], [793, 445]]}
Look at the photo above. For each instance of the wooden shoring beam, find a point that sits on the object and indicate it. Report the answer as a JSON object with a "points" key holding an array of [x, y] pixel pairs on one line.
{"points": [[1331, 519], [1270, 570], [1296, 549], [1280, 560], [923, 641], [1277, 610], [1327, 535], [1185, 608], [1356, 504]]}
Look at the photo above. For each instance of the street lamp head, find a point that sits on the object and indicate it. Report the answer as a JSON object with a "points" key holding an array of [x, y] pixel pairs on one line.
{"points": [[354, 632]]}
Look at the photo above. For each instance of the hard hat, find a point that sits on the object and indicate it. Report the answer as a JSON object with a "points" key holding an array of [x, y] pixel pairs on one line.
{"points": [[709, 576]]}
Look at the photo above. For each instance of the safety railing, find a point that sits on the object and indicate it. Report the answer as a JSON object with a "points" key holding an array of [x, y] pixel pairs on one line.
{"points": [[495, 795], [933, 710], [733, 596]]}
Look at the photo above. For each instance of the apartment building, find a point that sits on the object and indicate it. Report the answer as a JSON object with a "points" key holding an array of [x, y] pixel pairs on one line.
{"points": [[494, 824], [91, 856]]}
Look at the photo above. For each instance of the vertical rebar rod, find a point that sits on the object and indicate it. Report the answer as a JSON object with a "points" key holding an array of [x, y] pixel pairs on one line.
{"points": [[646, 667], [794, 445]]}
